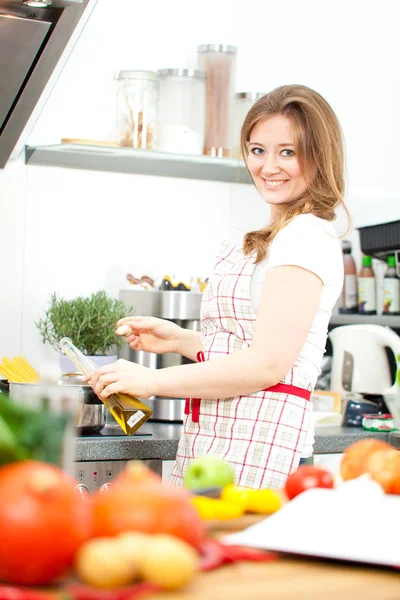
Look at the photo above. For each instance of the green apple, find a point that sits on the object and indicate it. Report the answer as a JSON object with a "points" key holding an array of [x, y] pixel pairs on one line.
{"points": [[208, 472]]}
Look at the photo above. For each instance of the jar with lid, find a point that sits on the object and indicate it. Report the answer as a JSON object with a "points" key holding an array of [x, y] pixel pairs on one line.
{"points": [[219, 63], [242, 104], [137, 108], [181, 111]]}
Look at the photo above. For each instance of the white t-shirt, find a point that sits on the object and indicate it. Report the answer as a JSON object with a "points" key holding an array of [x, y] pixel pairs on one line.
{"points": [[310, 243]]}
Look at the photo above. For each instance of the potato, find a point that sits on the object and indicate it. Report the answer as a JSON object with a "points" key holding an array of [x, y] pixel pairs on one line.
{"points": [[168, 562], [99, 563], [130, 547]]}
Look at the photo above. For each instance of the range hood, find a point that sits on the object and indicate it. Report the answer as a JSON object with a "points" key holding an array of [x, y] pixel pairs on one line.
{"points": [[32, 41]]}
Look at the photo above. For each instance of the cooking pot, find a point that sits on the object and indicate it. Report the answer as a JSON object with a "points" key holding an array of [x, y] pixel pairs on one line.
{"points": [[90, 411]]}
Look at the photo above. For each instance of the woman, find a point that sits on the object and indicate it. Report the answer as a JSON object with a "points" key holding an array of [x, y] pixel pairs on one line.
{"points": [[266, 309]]}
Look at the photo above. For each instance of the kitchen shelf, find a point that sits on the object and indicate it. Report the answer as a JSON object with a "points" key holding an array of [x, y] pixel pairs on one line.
{"points": [[139, 162], [392, 321]]}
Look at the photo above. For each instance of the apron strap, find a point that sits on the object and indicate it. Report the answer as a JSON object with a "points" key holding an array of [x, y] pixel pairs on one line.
{"points": [[195, 401], [280, 388], [293, 390]]}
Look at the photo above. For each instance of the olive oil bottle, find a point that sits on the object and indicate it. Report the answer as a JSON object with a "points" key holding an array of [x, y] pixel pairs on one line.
{"points": [[129, 412]]}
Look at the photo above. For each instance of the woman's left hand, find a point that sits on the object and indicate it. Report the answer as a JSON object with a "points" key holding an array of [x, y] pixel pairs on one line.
{"points": [[122, 376]]}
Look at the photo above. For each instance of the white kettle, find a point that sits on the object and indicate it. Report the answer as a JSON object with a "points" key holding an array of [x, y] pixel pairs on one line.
{"points": [[360, 362]]}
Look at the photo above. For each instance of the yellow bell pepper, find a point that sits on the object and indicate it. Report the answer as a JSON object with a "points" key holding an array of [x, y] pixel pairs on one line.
{"points": [[264, 502], [214, 508]]}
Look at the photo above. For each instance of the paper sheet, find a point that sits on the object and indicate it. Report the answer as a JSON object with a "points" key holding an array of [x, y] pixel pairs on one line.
{"points": [[331, 524]]}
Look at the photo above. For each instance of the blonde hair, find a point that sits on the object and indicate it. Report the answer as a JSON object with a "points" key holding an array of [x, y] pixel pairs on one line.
{"points": [[319, 148]]}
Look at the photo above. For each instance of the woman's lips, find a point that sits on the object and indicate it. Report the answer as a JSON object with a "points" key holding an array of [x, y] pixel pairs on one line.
{"points": [[273, 184]]}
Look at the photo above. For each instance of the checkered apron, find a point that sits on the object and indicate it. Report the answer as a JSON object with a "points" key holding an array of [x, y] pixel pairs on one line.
{"points": [[261, 435]]}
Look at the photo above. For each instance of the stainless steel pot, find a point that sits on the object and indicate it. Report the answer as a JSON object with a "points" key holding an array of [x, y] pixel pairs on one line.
{"points": [[90, 411]]}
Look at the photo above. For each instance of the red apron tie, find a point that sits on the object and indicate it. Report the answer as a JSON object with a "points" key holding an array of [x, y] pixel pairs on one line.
{"points": [[293, 390], [195, 401], [280, 388]]}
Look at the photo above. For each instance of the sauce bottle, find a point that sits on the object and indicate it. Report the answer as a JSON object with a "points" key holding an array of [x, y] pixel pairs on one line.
{"points": [[366, 288], [391, 289], [348, 300], [129, 412]]}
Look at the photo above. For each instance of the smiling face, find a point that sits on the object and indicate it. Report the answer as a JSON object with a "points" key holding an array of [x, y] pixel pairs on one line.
{"points": [[273, 163]]}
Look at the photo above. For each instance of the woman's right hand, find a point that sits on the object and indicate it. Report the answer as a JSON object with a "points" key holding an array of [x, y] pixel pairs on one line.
{"points": [[150, 334]]}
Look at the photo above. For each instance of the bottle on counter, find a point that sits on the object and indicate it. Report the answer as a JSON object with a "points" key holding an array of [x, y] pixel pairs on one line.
{"points": [[129, 412], [391, 289], [366, 288], [348, 300]]}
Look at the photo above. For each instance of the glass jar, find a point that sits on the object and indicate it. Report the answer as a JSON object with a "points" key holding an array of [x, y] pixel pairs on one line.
{"points": [[219, 63], [243, 103], [137, 108], [181, 111]]}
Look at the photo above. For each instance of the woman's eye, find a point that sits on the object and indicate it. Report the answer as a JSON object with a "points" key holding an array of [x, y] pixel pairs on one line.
{"points": [[287, 153], [257, 151]]}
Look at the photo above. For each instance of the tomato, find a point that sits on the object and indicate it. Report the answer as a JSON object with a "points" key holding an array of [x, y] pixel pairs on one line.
{"points": [[147, 507], [355, 456], [305, 478], [384, 467], [42, 522], [137, 473]]}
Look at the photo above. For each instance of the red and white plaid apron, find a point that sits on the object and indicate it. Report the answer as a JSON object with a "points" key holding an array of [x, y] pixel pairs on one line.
{"points": [[261, 435]]}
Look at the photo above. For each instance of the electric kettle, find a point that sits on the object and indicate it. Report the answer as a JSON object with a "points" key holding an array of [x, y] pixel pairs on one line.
{"points": [[360, 361]]}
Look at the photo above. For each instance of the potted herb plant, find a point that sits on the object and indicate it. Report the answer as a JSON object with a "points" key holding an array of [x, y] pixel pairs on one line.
{"points": [[88, 321]]}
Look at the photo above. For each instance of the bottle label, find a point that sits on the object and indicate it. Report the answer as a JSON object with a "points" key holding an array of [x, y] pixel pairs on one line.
{"points": [[391, 295], [350, 291], [366, 295], [135, 418]]}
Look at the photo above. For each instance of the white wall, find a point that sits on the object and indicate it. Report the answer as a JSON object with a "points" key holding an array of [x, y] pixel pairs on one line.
{"points": [[81, 231]]}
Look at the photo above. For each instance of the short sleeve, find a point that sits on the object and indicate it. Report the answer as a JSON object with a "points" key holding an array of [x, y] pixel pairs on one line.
{"points": [[305, 244]]}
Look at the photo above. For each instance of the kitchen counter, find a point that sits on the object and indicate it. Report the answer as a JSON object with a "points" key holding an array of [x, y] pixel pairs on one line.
{"points": [[160, 441], [288, 579]]}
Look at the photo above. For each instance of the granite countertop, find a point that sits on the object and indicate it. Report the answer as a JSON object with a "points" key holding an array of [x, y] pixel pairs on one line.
{"points": [[160, 441]]}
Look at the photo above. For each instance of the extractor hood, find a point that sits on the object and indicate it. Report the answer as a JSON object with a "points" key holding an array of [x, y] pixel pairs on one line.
{"points": [[32, 41]]}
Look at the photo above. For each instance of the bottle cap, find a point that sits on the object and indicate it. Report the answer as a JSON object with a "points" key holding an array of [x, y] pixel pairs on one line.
{"points": [[367, 261], [346, 247], [391, 261]]}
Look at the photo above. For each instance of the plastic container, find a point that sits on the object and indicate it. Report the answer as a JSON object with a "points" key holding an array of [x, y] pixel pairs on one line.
{"points": [[219, 63], [242, 104], [137, 108], [378, 423], [181, 111]]}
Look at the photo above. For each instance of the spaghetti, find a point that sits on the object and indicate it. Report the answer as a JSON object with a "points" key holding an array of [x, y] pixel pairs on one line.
{"points": [[18, 370]]}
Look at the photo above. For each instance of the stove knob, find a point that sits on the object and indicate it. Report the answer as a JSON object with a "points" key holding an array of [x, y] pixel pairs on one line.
{"points": [[105, 487], [82, 489]]}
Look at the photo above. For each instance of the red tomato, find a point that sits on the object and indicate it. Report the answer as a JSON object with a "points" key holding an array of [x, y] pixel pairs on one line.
{"points": [[43, 521], [305, 478], [355, 456], [148, 507]]}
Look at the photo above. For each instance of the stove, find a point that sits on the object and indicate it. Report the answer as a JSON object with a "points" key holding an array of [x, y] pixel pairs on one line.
{"points": [[99, 474]]}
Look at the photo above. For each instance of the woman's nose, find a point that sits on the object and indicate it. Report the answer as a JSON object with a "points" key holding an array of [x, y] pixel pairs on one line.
{"points": [[270, 166]]}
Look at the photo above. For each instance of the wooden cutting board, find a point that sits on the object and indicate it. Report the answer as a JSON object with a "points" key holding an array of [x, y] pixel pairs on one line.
{"points": [[287, 578], [231, 525]]}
